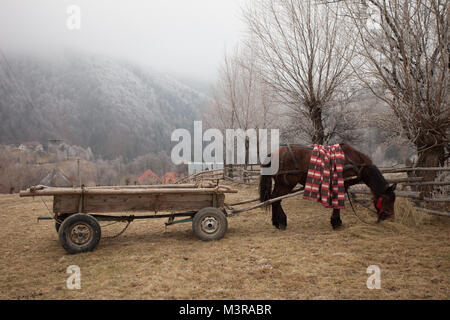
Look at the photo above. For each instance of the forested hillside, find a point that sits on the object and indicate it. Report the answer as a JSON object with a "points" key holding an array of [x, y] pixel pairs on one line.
{"points": [[114, 107]]}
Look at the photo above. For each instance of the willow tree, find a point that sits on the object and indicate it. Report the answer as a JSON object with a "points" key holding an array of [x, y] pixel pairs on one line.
{"points": [[304, 56], [240, 99], [404, 46]]}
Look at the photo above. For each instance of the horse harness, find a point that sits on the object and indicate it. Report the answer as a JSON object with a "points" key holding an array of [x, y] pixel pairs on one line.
{"points": [[297, 170]]}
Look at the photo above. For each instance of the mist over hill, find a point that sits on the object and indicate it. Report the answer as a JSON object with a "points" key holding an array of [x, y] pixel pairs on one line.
{"points": [[112, 106]]}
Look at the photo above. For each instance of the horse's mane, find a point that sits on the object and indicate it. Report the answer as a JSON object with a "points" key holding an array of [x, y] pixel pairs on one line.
{"points": [[376, 181], [371, 174], [356, 156]]}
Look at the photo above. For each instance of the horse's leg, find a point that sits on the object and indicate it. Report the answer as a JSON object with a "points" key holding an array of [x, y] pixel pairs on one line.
{"points": [[279, 219], [335, 220]]}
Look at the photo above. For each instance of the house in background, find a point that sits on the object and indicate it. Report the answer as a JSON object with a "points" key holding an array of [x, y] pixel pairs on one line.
{"points": [[149, 177], [170, 177], [33, 146], [56, 178]]}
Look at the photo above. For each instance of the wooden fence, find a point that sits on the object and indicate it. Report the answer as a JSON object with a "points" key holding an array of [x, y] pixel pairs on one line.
{"points": [[434, 201], [207, 175], [238, 174], [242, 174]]}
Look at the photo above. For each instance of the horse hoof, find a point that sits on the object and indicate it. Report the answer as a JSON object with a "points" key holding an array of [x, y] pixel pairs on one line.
{"points": [[337, 226], [336, 223], [279, 226]]}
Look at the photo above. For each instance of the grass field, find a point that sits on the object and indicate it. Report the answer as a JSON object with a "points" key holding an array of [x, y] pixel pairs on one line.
{"points": [[253, 261]]}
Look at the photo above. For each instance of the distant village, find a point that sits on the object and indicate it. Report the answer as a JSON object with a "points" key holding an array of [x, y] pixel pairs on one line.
{"points": [[60, 164]]}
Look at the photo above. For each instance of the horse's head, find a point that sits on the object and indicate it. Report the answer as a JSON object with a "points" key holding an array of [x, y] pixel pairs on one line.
{"points": [[384, 203]]}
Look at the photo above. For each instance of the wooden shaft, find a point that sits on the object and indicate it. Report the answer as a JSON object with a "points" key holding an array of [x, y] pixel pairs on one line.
{"points": [[265, 203], [242, 202]]}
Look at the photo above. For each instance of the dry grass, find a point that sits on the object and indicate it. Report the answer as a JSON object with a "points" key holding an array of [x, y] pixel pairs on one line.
{"points": [[407, 215], [253, 261]]}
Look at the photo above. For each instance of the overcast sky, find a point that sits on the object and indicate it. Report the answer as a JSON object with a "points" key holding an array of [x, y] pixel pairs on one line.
{"points": [[186, 37]]}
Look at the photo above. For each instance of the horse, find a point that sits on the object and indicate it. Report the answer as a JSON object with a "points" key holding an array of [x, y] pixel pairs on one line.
{"points": [[293, 169]]}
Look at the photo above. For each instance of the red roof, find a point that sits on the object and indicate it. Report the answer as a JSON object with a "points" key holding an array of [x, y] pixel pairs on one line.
{"points": [[146, 174], [169, 177]]}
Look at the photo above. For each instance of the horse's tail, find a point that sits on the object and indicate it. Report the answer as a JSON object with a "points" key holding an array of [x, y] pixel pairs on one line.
{"points": [[265, 186]]}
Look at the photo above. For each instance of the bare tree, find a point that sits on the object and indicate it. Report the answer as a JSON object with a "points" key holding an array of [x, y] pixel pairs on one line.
{"points": [[240, 98], [304, 57], [404, 45], [16, 175], [343, 121]]}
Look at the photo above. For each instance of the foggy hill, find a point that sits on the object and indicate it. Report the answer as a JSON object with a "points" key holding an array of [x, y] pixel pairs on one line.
{"points": [[114, 107]]}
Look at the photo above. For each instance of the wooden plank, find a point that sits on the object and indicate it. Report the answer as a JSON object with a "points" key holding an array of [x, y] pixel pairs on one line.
{"points": [[66, 203], [96, 206], [154, 191], [403, 180], [154, 186], [195, 175], [166, 202], [129, 191], [398, 180], [162, 197], [398, 170], [428, 183], [434, 212], [437, 199], [120, 203], [404, 194], [220, 200]]}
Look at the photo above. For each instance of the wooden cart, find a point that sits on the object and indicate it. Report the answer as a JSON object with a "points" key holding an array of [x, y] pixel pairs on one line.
{"points": [[77, 211]]}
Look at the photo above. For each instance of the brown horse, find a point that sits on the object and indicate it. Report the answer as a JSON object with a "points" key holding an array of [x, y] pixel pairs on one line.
{"points": [[293, 169]]}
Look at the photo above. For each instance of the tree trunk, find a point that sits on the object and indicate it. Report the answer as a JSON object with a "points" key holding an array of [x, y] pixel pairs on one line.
{"points": [[318, 135], [428, 158], [247, 147]]}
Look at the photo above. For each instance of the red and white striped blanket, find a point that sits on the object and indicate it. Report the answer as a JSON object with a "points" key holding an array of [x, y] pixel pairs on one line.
{"points": [[325, 181]]}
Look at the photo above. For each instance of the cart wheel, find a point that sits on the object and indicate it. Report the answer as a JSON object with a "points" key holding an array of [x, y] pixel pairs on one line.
{"points": [[61, 217], [209, 224], [79, 233]]}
